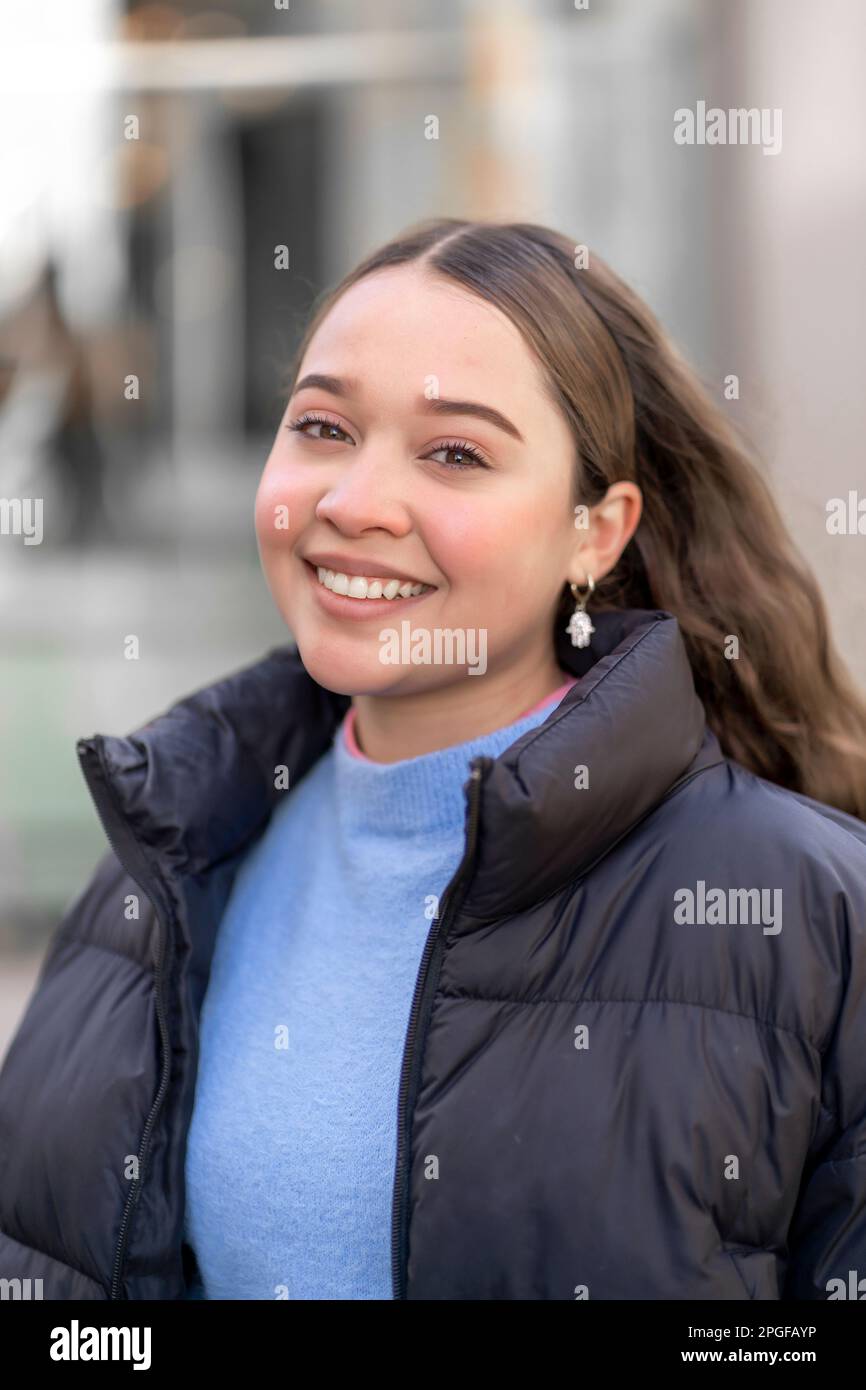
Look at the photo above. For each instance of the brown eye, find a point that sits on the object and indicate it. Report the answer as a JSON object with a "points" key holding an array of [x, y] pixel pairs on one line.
{"points": [[330, 429], [468, 456]]}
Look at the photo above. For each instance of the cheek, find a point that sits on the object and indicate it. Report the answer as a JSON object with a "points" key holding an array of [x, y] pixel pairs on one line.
{"points": [[503, 551], [280, 510]]}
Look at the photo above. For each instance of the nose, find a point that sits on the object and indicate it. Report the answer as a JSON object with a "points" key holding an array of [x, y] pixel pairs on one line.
{"points": [[367, 492]]}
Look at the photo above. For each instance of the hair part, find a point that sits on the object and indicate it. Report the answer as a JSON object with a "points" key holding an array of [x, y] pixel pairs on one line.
{"points": [[711, 547]]}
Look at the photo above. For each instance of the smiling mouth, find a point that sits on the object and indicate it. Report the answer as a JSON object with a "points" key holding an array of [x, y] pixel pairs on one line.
{"points": [[366, 588]]}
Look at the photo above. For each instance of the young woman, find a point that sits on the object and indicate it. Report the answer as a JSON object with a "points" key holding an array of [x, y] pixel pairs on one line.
{"points": [[504, 937]]}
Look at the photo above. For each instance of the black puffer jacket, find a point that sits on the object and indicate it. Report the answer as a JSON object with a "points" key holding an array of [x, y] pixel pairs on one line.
{"points": [[624, 1103]]}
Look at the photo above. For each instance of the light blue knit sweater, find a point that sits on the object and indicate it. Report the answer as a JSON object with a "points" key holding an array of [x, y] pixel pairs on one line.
{"points": [[292, 1145]]}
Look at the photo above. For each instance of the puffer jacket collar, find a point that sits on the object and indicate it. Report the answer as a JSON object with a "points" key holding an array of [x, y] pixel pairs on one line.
{"points": [[196, 784]]}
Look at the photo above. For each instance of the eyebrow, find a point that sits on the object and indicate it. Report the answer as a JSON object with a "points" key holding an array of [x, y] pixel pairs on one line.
{"points": [[346, 386]]}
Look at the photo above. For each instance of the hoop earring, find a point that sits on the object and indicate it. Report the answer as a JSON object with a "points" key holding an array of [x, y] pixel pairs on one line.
{"points": [[580, 627]]}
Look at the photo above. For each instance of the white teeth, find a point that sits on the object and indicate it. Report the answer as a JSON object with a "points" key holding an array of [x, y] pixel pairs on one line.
{"points": [[356, 586]]}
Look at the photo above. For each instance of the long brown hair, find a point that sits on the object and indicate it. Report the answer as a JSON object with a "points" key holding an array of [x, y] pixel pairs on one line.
{"points": [[711, 547]]}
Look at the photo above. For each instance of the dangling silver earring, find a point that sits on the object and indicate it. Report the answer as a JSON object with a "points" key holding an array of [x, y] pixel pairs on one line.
{"points": [[580, 627]]}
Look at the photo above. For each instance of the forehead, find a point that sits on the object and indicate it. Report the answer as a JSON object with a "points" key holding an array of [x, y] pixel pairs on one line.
{"points": [[398, 327]]}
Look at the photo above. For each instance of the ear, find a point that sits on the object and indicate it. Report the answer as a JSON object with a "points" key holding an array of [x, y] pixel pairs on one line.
{"points": [[611, 523]]}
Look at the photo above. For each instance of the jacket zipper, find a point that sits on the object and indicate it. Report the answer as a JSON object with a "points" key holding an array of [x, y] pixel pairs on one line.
{"points": [[129, 854], [425, 984]]}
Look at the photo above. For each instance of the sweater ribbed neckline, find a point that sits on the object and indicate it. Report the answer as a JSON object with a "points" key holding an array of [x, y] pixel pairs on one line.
{"points": [[423, 794]]}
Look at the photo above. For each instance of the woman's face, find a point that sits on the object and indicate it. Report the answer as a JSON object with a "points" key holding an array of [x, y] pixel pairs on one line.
{"points": [[387, 485]]}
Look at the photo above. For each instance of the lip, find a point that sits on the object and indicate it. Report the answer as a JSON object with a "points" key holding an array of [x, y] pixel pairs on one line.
{"points": [[368, 567], [356, 609]]}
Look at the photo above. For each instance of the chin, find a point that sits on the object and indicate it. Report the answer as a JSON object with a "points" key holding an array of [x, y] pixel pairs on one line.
{"points": [[346, 668]]}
